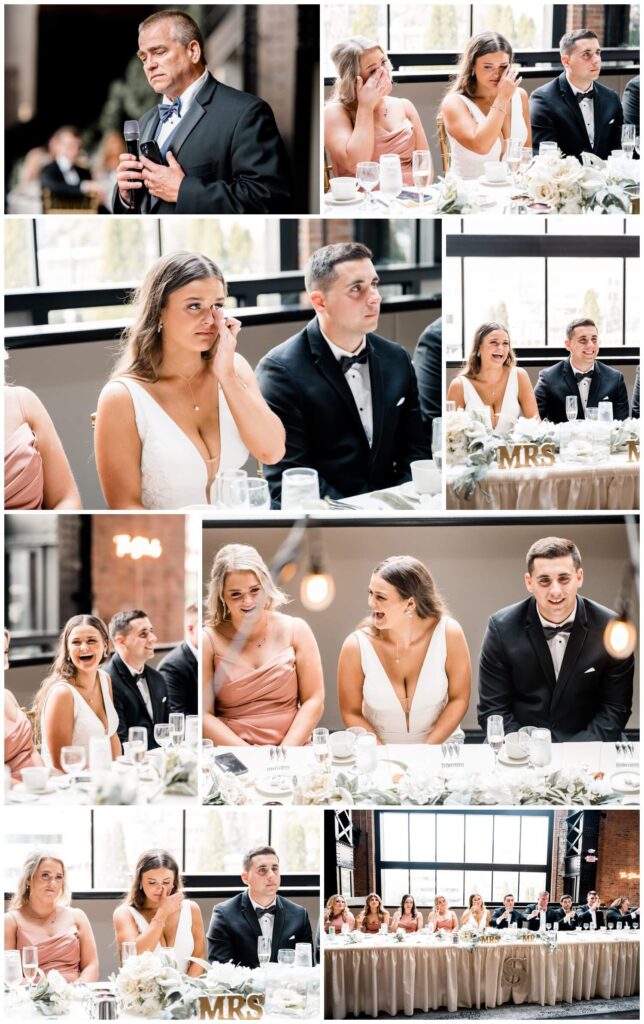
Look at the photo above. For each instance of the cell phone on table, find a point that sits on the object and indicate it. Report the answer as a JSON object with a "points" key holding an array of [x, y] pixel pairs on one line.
{"points": [[230, 764], [151, 151]]}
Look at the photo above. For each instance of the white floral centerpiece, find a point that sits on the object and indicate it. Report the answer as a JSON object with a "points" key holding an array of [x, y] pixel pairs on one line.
{"points": [[400, 935], [178, 772], [223, 979], [52, 995], [150, 985], [573, 186], [622, 433]]}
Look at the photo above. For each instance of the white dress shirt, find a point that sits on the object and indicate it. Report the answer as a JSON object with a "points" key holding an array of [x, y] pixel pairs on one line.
{"points": [[558, 644], [142, 686], [359, 380], [68, 171], [267, 921], [587, 107], [583, 386], [186, 100]]}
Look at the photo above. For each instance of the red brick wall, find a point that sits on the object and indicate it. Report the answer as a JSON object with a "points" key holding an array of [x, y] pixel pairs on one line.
{"points": [[559, 833], [155, 584], [619, 839], [364, 877], [586, 16]]}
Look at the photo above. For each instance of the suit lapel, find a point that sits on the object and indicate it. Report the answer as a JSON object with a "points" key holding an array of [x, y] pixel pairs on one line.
{"points": [[128, 679], [278, 928], [249, 915], [573, 650], [328, 366], [534, 630], [195, 112], [598, 110], [597, 384], [570, 100], [377, 399]]}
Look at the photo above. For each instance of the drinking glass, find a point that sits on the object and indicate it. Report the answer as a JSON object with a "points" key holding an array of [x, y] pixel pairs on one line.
{"points": [[611, 925], [258, 494], [100, 754], [541, 747], [421, 169], [571, 407], [128, 949], [586, 925], [437, 442], [513, 157], [366, 754], [191, 737], [12, 969], [495, 736], [72, 760], [391, 181], [303, 954], [525, 738], [300, 486], [137, 738], [592, 413], [286, 957], [548, 926], [30, 963], [162, 734], [231, 489], [629, 133], [547, 148], [450, 407], [207, 744], [527, 156], [368, 173], [321, 750], [605, 412], [263, 950], [177, 722], [618, 925]]}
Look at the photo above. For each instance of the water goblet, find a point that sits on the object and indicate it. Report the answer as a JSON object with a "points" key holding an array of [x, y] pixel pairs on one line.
{"points": [[72, 760], [368, 173], [128, 949], [30, 963], [391, 181], [421, 168], [263, 950], [177, 723], [286, 957], [162, 734], [586, 925], [629, 133], [231, 489], [548, 148], [572, 407], [258, 494], [495, 736], [137, 738], [12, 969], [611, 925], [300, 486]]}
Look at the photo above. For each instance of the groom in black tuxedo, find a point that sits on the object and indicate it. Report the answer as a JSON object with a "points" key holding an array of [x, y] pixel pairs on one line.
{"points": [[539, 914], [574, 110], [506, 915], [582, 375], [347, 397], [139, 691], [179, 668], [236, 924], [543, 661], [224, 151]]}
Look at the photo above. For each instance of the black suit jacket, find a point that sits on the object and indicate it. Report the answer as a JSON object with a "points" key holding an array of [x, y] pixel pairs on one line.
{"points": [[552, 915], [613, 916], [179, 670], [129, 703], [303, 384], [230, 151], [631, 101], [636, 396], [586, 916], [566, 926], [516, 918], [428, 364], [591, 698], [555, 117], [559, 380], [234, 930], [52, 178]]}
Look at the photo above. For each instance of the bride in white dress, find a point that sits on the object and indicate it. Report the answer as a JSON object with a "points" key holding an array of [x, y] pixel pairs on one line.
{"points": [[484, 107], [74, 702], [405, 676], [491, 384], [182, 404], [156, 915]]}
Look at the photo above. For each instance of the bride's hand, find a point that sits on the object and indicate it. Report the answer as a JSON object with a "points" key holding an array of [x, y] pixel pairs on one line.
{"points": [[227, 330], [509, 84]]}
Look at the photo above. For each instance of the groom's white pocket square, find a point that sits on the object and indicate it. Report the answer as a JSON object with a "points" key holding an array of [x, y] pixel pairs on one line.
{"points": [[163, 700], [588, 671], [290, 937], [612, 121], [400, 402]]}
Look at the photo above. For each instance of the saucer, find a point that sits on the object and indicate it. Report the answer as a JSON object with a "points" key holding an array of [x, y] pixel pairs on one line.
{"points": [[494, 184], [513, 762], [281, 785], [22, 789], [343, 759], [625, 781], [343, 202]]}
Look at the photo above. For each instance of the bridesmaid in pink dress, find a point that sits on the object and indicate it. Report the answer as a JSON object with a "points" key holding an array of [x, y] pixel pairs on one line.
{"points": [[262, 673], [40, 915], [408, 918], [337, 914], [362, 120], [19, 750], [374, 915], [36, 470], [442, 918]]}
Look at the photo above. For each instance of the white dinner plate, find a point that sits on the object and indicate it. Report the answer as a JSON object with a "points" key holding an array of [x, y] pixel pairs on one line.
{"points": [[281, 785], [494, 184], [625, 781], [343, 202]]}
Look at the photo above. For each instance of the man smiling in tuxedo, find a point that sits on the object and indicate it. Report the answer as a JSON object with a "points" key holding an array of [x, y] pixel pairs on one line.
{"points": [[140, 695], [222, 146]]}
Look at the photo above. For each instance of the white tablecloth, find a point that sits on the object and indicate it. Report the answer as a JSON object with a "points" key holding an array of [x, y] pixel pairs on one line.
{"points": [[611, 485], [494, 197], [379, 976]]}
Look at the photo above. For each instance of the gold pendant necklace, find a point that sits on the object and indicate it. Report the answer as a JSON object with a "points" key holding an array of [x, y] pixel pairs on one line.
{"points": [[188, 381]]}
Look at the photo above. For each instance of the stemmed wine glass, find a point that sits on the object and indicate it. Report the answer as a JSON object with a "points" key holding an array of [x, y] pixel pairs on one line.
{"points": [[30, 963], [421, 168], [629, 132], [391, 181], [368, 173], [571, 407], [162, 734], [495, 736], [513, 157], [72, 760], [177, 721], [321, 751], [263, 950]]}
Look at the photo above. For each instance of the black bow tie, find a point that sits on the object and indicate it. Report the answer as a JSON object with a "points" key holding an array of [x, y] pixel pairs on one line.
{"points": [[579, 96], [138, 676], [551, 631], [260, 911], [346, 362], [582, 376], [166, 110]]}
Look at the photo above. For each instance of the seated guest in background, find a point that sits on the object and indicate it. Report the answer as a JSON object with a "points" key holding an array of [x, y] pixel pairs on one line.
{"points": [[581, 375], [64, 177], [179, 668], [506, 915], [262, 671], [105, 164], [428, 364], [538, 915], [635, 413], [40, 915], [222, 146], [620, 912], [574, 110], [19, 749], [36, 471], [156, 916], [477, 916], [362, 120], [140, 694], [75, 702], [566, 915], [236, 924], [589, 895], [543, 661], [374, 915], [441, 918], [631, 101], [407, 918], [491, 382], [25, 195], [592, 915], [346, 396], [408, 637], [337, 914], [484, 107]]}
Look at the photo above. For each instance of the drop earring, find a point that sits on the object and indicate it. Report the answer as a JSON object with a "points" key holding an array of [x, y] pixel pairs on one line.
{"points": [[159, 326]]}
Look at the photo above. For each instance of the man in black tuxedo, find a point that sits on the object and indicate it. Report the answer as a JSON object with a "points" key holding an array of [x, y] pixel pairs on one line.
{"points": [[566, 916], [64, 177], [574, 110], [582, 375], [539, 914], [635, 413], [543, 661], [139, 691], [222, 146], [346, 396], [631, 101], [179, 668], [506, 915], [428, 364], [236, 925], [591, 913]]}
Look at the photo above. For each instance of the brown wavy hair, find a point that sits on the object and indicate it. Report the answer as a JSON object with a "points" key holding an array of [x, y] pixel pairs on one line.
{"points": [[411, 578], [150, 861], [472, 367], [365, 911], [408, 896], [480, 45], [62, 668], [346, 57]]}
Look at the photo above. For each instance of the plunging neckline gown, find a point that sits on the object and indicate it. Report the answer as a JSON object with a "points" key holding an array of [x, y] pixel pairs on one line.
{"points": [[510, 406]]}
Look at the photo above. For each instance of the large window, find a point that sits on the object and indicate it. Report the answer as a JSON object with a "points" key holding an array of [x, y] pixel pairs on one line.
{"points": [[31, 566], [454, 854]]}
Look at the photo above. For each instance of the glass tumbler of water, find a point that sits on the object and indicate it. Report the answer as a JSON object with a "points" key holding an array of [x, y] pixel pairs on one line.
{"points": [[495, 735], [137, 738], [300, 486], [321, 750], [231, 489], [72, 760], [12, 969], [571, 407], [421, 169], [548, 148], [191, 737], [177, 722], [368, 173], [391, 181], [128, 949], [629, 132], [437, 442], [541, 747], [263, 950], [605, 412], [303, 954], [366, 754], [258, 494], [286, 957]]}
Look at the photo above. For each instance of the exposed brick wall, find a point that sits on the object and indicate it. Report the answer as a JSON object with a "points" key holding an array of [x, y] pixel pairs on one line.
{"points": [[69, 556], [364, 877], [586, 16], [313, 234], [559, 833], [155, 584], [619, 837]]}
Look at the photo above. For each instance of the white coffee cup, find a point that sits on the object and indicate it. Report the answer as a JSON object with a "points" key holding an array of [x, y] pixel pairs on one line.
{"points": [[426, 476], [495, 170], [35, 778], [344, 188], [515, 749], [342, 743]]}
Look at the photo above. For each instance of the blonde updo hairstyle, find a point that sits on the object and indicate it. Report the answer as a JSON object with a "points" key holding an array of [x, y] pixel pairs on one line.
{"points": [[238, 558], [23, 889]]}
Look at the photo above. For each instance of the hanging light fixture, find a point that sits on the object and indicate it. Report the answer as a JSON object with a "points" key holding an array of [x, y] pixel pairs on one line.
{"points": [[620, 635], [317, 589]]}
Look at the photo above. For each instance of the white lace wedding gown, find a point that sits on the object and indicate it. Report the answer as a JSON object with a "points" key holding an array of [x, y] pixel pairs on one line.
{"points": [[380, 704], [173, 472], [184, 943], [467, 164], [86, 722], [510, 407]]}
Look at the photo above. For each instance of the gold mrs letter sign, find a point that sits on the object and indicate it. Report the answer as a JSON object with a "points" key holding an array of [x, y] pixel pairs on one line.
{"points": [[231, 1007], [523, 456], [633, 451]]}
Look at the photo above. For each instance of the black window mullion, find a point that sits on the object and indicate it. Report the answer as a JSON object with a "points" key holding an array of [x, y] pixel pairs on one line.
{"points": [[34, 236]]}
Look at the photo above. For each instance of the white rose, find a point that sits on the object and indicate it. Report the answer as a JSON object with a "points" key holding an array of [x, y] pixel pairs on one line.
{"points": [[56, 982]]}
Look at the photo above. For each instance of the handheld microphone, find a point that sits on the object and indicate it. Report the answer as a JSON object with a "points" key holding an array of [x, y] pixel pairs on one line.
{"points": [[132, 134]]}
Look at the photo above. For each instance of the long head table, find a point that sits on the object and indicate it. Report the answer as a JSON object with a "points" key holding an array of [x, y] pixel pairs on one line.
{"points": [[381, 976]]}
